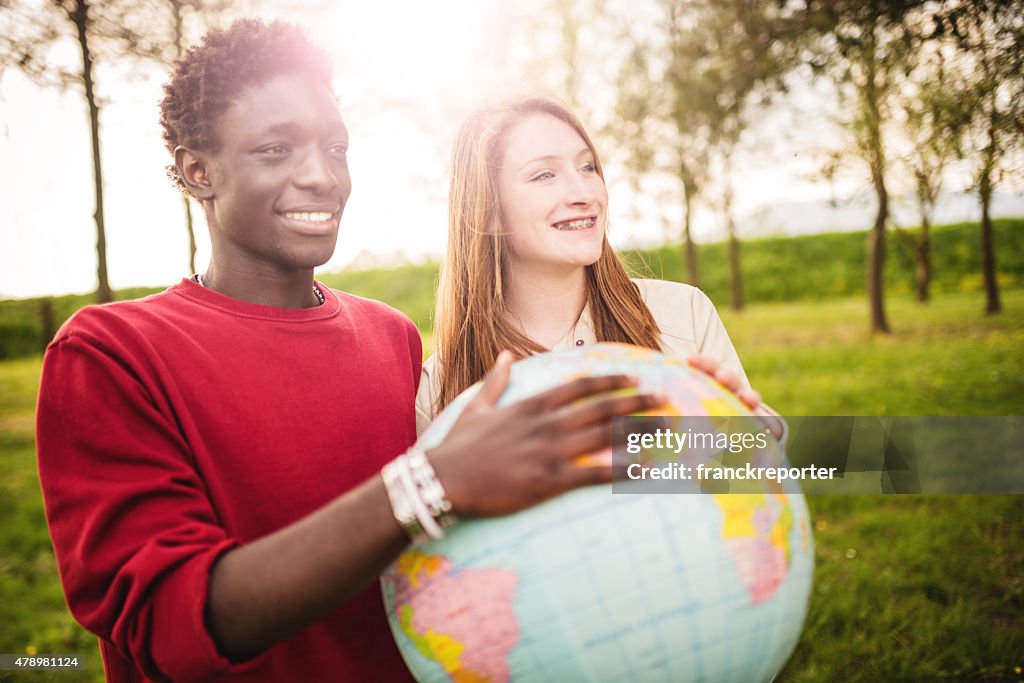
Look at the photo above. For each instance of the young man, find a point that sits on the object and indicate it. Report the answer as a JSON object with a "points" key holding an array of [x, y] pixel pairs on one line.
{"points": [[210, 455]]}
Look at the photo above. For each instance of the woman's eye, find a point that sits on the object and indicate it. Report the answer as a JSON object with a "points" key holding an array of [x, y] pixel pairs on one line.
{"points": [[543, 175], [589, 167]]}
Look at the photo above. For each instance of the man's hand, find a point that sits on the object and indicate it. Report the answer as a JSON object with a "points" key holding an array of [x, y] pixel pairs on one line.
{"points": [[496, 461]]}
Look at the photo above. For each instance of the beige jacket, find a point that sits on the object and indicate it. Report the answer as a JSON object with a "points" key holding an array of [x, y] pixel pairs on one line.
{"points": [[687, 319]]}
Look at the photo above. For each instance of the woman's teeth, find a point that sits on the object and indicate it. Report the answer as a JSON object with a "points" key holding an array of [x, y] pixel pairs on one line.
{"points": [[581, 224], [309, 216]]}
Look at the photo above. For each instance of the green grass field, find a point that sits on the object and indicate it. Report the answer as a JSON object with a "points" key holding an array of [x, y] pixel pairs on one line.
{"points": [[907, 588]]}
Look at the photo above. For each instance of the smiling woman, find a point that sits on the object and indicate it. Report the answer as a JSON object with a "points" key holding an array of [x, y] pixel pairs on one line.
{"points": [[530, 269], [553, 200]]}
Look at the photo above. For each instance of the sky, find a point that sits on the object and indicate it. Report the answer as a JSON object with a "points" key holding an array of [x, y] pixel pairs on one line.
{"points": [[404, 87]]}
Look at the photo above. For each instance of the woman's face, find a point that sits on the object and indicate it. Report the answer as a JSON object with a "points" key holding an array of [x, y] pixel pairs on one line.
{"points": [[553, 202]]}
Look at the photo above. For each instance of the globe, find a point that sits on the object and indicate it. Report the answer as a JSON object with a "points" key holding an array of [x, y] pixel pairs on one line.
{"points": [[603, 585]]}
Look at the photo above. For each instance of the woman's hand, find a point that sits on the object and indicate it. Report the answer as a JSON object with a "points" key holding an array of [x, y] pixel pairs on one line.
{"points": [[729, 380], [749, 397], [496, 461]]}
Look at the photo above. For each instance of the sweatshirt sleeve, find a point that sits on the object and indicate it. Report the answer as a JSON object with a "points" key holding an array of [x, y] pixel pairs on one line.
{"points": [[133, 529]]}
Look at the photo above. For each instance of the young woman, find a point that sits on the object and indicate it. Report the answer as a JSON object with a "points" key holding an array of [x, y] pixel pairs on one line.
{"points": [[529, 267]]}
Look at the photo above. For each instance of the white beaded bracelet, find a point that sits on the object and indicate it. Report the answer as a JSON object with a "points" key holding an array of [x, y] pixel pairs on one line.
{"points": [[401, 506], [413, 493], [418, 500], [430, 488]]}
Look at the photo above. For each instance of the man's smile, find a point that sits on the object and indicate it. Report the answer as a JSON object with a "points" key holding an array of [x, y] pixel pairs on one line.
{"points": [[312, 221]]}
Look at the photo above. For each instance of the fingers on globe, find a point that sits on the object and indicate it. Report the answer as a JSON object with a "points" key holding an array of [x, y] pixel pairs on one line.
{"points": [[729, 380], [703, 363], [606, 406], [582, 387]]}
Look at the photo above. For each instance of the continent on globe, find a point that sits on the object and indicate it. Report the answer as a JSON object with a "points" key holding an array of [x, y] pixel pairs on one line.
{"points": [[437, 607], [756, 530]]}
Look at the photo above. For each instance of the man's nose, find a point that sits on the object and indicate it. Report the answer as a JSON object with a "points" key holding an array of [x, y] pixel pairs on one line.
{"points": [[316, 173]]}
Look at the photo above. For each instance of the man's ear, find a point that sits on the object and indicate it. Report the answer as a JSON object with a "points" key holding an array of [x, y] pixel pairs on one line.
{"points": [[193, 167]]}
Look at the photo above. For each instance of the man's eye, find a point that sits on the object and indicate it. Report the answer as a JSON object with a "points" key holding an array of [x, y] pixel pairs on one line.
{"points": [[275, 150], [338, 149]]}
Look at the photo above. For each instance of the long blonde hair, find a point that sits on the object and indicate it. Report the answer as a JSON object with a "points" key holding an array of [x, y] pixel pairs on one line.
{"points": [[471, 326]]}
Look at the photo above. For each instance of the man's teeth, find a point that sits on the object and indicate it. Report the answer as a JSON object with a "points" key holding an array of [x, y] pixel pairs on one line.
{"points": [[309, 216], [580, 224]]}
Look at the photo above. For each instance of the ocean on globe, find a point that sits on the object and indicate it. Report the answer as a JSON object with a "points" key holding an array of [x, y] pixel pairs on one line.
{"points": [[597, 585]]}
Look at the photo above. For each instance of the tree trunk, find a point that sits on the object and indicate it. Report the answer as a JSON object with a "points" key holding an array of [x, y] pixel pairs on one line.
{"points": [[179, 42], [80, 16], [876, 264], [736, 275], [876, 238], [988, 253], [924, 261], [47, 323], [689, 247], [191, 234]]}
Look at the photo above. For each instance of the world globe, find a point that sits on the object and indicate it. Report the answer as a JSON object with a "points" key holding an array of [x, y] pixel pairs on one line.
{"points": [[601, 585]]}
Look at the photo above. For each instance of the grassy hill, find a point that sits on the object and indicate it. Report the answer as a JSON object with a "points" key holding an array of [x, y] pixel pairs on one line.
{"points": [[806, 268]]}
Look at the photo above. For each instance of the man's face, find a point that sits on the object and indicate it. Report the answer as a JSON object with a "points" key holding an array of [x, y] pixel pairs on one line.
{"points": [[279, 179]]}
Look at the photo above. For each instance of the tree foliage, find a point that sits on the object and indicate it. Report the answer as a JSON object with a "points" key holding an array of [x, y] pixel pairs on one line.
{"points": [[934, 118], [686, 87]]}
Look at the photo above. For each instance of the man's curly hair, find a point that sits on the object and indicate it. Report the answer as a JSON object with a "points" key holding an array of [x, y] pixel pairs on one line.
{"points": [[211, 75]]}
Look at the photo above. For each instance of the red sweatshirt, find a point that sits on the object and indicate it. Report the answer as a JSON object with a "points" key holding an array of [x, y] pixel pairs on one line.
{"points": [[174, 428]]}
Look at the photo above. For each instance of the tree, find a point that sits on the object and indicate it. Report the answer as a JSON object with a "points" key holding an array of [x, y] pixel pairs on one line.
{"points": [[934, 120], [665, 128], [990, 37], [117, 31], [28, 38], [863, 47], [685, 91], [172, 16], [756, 46]]}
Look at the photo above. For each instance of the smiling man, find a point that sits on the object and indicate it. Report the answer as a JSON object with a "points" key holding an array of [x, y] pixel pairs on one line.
{"points": [[211, 456]]}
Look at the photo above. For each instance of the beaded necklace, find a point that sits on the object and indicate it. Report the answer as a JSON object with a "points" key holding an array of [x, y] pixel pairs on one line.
{"points": [[320, 298]]}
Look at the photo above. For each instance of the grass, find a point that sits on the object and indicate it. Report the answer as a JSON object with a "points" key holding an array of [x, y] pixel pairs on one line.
{"points": [[33, 615], [944, 358], [914, 588], [907, 588]]}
